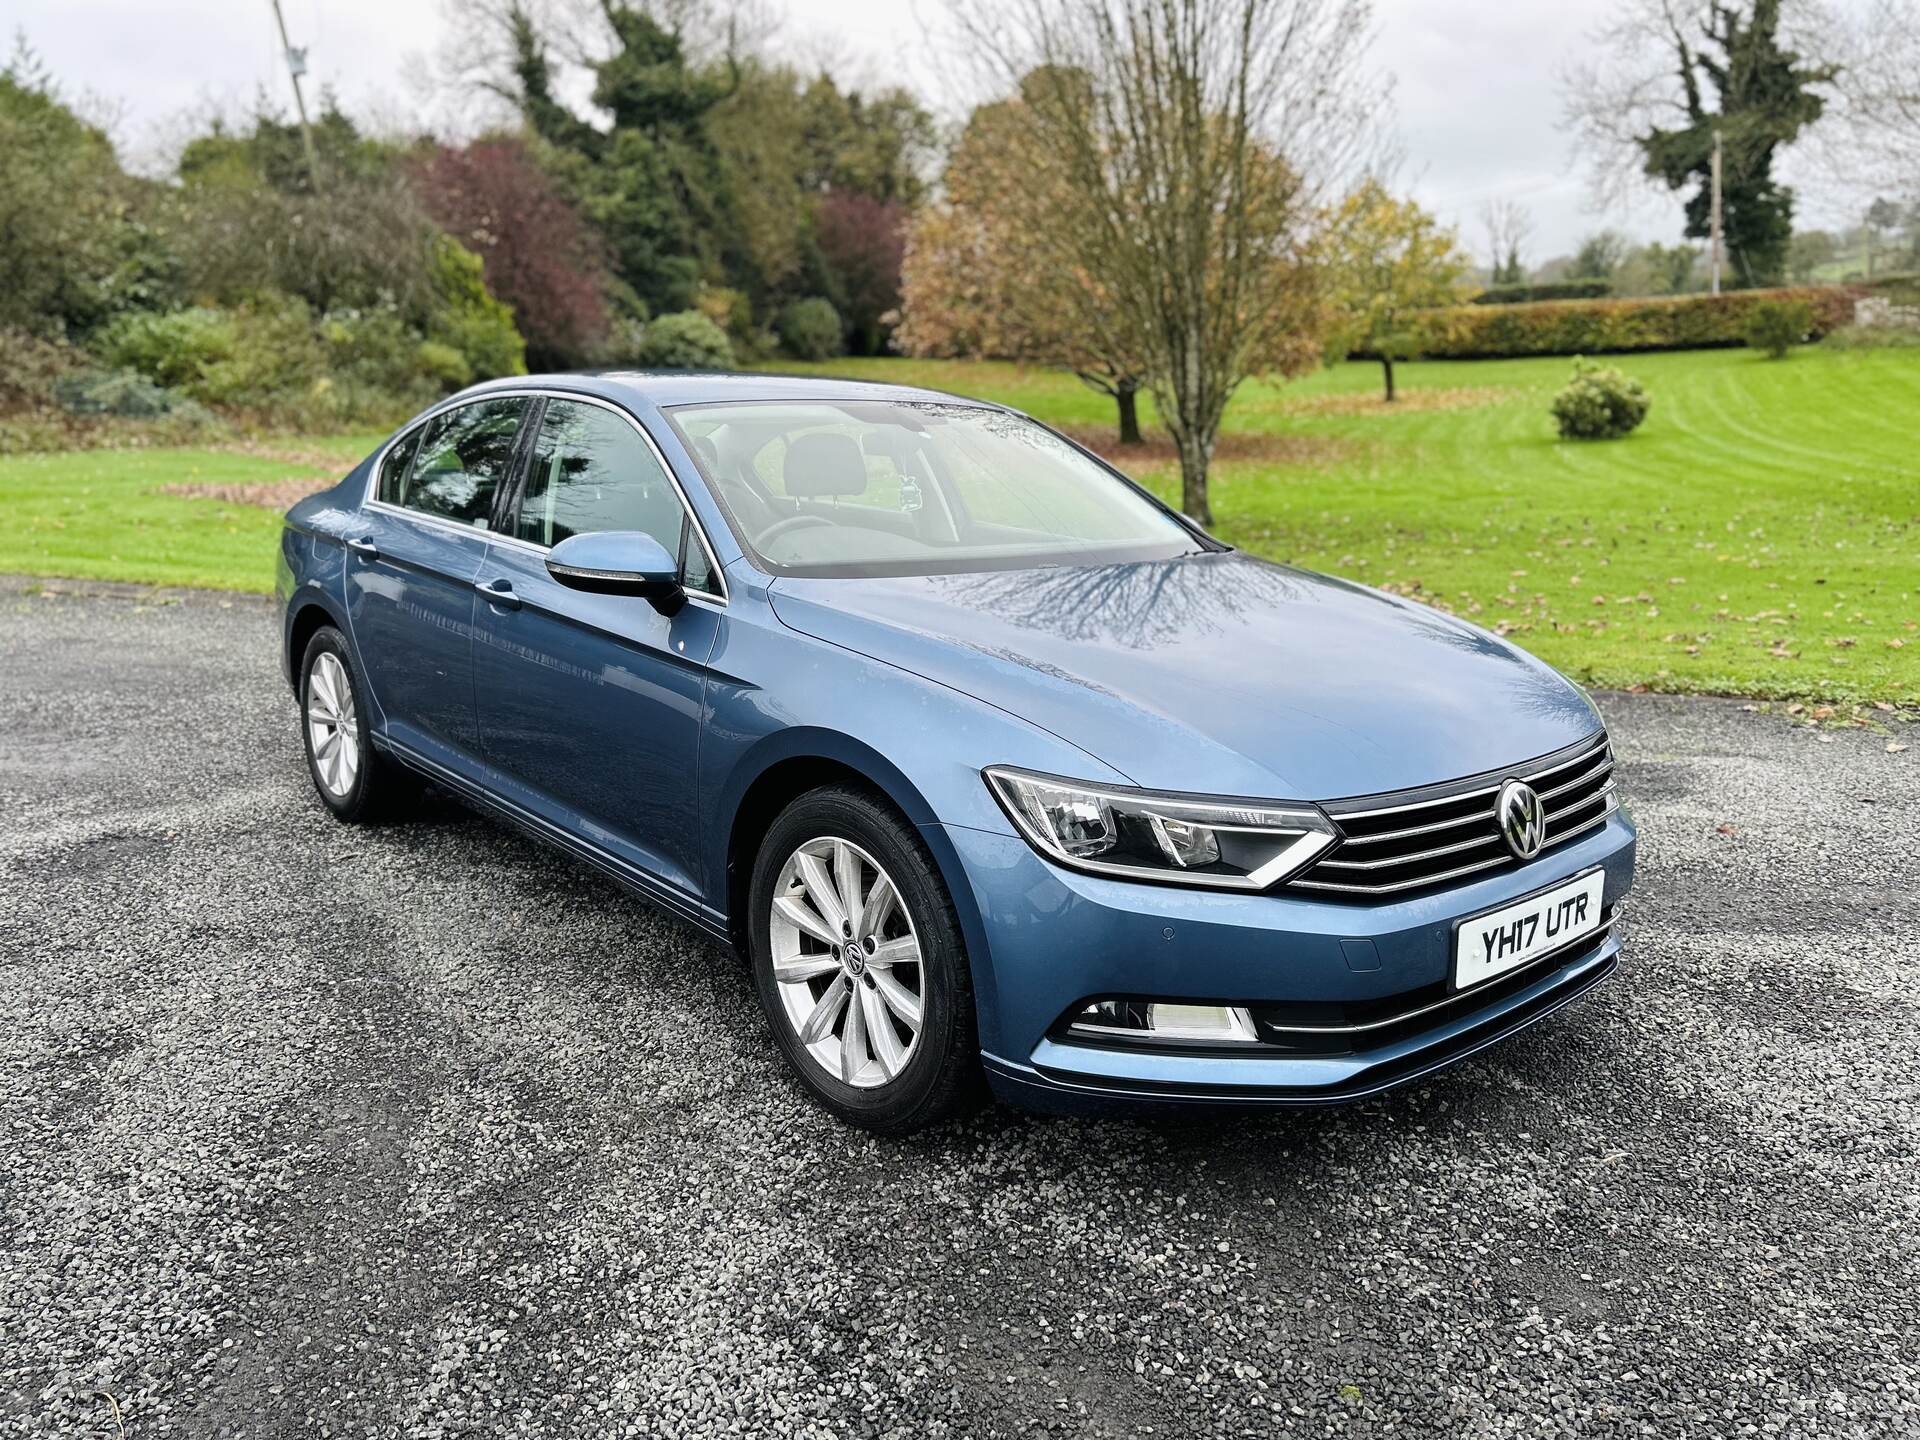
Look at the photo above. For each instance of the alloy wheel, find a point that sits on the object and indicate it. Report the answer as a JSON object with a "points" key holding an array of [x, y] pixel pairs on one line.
{"points": [[847, 962], [333, 724]]}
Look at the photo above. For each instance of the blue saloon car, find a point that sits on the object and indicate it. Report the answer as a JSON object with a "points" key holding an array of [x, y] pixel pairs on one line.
{"points": [[991, 765]]}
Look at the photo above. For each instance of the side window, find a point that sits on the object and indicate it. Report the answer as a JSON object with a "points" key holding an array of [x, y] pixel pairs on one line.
{"points": [[463, 459], [591, 471], [393, 470]]}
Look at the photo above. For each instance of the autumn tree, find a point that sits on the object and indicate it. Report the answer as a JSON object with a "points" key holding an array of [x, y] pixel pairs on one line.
{"points": [[992, 270], [1197, 139], [1386, 259], [539, 254]]}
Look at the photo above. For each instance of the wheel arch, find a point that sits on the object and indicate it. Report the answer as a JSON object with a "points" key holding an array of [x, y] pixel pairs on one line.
{"points": [[786, 766], [309, 610]]}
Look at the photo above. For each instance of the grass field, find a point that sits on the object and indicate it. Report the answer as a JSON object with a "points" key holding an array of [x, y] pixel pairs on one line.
{"points": [[1760, 534]]}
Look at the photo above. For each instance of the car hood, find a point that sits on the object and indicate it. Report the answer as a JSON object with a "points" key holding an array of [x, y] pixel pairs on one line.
{"points": [[1215, 673]]}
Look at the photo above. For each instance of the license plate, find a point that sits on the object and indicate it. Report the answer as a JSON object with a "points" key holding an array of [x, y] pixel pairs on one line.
{"points": [[1507, 938]]}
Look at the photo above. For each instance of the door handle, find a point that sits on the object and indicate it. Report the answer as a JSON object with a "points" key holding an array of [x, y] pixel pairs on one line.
{"points": [[498, 592], [365, 549]]}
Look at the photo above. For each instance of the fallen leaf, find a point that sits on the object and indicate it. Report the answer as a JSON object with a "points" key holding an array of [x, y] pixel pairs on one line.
{"points": [[1728, 830], [1894, 747]]}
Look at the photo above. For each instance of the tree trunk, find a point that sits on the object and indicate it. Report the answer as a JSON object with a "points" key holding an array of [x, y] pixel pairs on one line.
{"points": [[1386, 364], [1127, 396], [1194, 457]]}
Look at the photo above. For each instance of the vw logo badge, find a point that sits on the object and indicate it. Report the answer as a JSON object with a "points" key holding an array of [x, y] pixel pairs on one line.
{"points": [[1521, 820]]}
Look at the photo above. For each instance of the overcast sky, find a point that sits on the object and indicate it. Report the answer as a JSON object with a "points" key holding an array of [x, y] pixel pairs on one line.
{"points": [[1477, 96]]}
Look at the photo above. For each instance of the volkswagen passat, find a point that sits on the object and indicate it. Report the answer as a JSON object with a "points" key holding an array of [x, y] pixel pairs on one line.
{"points": [[985, 759]]}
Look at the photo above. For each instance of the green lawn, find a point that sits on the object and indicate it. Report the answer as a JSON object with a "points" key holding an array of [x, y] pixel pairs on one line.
{"points": [[1760, 534]]}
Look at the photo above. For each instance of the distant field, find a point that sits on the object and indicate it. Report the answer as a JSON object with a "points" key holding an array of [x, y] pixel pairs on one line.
{"points": [[1760, 535]]}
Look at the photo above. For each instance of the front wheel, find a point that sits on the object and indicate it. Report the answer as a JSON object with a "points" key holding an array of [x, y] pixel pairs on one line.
{"points": [[860, 964]]}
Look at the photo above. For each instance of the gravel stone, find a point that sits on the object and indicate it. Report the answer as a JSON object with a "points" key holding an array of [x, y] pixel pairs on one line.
{"points": [[424, 1130]]}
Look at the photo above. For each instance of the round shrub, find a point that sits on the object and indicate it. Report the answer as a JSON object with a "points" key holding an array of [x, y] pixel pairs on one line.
{"points": [[1775, 325], [684, 340], [1599, 403], [810, 329]]}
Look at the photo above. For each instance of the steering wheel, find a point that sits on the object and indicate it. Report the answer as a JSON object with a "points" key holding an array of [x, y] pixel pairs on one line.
{"points": [[791, 523]]}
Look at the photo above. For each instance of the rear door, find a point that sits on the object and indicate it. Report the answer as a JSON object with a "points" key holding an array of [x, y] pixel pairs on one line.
{"points": [[412, 567], [590, 705]]}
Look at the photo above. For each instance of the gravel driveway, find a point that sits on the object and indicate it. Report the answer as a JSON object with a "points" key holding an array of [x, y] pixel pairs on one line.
{"points": [[426, 1131]]}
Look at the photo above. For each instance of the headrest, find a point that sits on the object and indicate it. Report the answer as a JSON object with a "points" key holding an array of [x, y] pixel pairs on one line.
{"points": [[827, 464], [707, 452]]}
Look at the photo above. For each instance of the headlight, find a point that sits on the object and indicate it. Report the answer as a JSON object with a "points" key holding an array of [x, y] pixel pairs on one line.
{"points": [[1149, 835]]}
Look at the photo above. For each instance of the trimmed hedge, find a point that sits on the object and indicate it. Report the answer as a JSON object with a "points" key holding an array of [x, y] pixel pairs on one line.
{"points": [[1590, 289], [1598, 327]]}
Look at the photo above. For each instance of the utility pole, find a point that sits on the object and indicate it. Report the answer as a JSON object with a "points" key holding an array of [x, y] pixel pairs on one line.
{"points": [[296, 67], [1714, 264]]}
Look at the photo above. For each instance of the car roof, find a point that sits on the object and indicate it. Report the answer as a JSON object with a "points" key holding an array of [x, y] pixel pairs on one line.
{"points": [[663, 388]]}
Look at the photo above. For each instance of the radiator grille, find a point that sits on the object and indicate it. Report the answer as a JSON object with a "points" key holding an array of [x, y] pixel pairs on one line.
{"points": [[1428, 837]]}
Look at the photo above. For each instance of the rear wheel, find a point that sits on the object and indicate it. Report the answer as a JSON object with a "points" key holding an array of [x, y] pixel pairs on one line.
{"points": [[355, 781], [860, 964]]}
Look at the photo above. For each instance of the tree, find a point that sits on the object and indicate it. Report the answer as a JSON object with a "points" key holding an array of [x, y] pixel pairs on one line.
{"points": [[1656, 269], [74, 244], [862, 242], [651, 181], [1508, 226], [1199, 139], [1600, 254], [991, 270], [1882, 217], [1810, 250], [1648, 98], [1388, 258], [539, 254]]}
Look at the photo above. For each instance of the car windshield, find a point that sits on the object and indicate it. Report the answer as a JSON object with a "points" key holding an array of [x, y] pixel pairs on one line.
{"points": [[895, 488]]}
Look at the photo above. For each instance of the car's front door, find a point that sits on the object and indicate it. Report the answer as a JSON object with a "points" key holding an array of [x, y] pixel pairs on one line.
{"points": [[590, 705], [416, 553]]}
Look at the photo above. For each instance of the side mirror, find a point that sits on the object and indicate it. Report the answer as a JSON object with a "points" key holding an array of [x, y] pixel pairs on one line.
{"points": [[619, 562]]}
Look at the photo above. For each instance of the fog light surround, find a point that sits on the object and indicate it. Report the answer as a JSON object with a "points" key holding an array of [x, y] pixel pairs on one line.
{"points": [[1152, 1022]]}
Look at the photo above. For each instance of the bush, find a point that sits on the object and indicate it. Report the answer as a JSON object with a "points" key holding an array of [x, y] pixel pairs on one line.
{"points": [[1775, 326], [175, 348], [1873, 337], [1593, 327], [1590, 289], [116, 392], [1599, 403], [810, 329], [684, 340], [467, 319]]}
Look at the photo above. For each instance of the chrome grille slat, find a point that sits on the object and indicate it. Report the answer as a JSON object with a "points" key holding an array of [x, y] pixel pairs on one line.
{"points": [[1569, 786], [1409, 859]]}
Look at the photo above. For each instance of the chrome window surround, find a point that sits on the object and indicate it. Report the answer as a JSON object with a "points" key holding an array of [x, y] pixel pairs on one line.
{"points": [[1589, 759], [370, 501]]}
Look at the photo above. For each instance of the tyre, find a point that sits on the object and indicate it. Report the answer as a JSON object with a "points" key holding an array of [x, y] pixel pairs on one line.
{"points": [[861, 966], [355, 781]]}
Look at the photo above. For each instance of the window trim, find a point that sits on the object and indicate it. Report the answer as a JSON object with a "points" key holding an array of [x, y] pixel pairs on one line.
{"points": [[516, 479]]}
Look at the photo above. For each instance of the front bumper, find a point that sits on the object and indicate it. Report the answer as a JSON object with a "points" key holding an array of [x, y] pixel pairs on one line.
{"points": [[1055, 939]]}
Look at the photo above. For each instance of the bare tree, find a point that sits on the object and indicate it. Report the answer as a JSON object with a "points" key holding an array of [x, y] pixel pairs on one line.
{"points": [[1874, 145], [1206, 136], [1508, 227]]}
